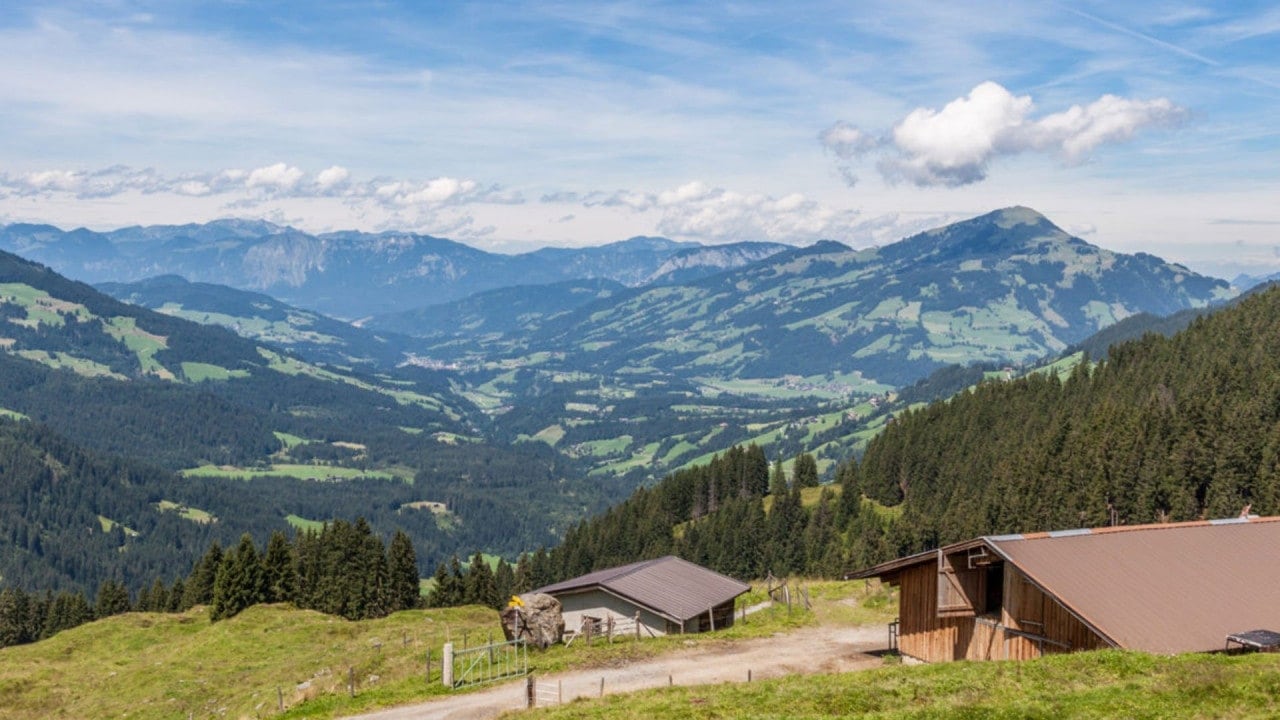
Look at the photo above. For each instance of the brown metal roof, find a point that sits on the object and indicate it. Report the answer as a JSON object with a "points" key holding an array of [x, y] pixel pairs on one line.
{"points": [[667, 585], [1160, 588], [1170, 588]]}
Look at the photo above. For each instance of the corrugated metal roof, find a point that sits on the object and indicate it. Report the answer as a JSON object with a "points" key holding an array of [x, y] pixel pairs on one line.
{"points": [[1160, 588], [667, 585]]}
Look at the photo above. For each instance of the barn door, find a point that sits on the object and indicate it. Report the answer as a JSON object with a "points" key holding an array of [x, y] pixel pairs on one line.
{"points": [[953, 600]]}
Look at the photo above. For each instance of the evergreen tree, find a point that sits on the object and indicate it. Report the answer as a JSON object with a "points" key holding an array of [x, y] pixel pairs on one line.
{"points": [[240, 582], [778, 480], [480, 588], [805, 471], [198, 590], [504, 579], [402, 566], [113, 599], [523, 581], [68, 610], [278, 567]]}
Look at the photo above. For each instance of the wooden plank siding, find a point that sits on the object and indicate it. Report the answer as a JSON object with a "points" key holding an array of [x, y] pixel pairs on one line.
{"points": [[1027, 624]]}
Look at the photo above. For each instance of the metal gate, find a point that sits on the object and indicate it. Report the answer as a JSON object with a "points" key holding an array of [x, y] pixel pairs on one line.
{"points": [[486, 663]]}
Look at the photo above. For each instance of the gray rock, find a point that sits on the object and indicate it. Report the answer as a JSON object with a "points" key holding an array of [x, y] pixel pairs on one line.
{"points": [[538, 622]]}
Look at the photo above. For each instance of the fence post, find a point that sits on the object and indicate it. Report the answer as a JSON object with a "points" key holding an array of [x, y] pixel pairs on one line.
{"points": [[446, 666], [609, 629], [601, 686], [351, 680], [712, 615], [530, 692], [279, 698], [637, 626], [428, 664]]}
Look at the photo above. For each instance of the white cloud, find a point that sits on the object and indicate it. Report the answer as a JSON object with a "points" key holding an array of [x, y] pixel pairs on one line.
{"points": [[955, 145], [279, 176], [332, 177], [698, 211], [247, 188]]}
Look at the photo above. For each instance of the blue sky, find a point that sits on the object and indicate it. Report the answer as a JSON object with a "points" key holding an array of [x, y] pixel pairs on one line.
{"points": [[1139, 126]]}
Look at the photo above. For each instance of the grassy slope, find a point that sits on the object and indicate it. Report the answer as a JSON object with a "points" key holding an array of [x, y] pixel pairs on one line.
{"points": [[150, 665], [1106, 684]]}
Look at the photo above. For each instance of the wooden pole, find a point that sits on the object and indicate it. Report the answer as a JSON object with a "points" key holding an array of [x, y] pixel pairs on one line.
{"points": [[279, 698], [560, 692], [711, 615], [637, 626], [530, 692], [601, 686], [428, 664], [748, 674], [351, 680]]}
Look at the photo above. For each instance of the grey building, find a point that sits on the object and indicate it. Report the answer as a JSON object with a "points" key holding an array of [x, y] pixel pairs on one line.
{"points": [[669, 595]]}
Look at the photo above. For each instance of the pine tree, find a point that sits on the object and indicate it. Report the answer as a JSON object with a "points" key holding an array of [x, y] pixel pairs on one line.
{"points": [[480, 588], [198, 590], [240, 582], [504, 579], [778, 480], [523, 582], [113, 599], [278, 566], [805, 471], [402, 566]]}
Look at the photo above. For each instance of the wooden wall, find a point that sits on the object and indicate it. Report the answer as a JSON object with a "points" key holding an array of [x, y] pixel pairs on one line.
{"points": [[1026, 611]]}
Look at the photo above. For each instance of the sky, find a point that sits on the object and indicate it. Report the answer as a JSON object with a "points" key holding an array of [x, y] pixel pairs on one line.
{"points": [[1138, 126]]}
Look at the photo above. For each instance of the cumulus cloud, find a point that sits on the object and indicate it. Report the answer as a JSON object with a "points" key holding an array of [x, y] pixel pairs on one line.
{"points": [[279, 176], [244, 188], [332, 178], [699, 211], [956, 144]]}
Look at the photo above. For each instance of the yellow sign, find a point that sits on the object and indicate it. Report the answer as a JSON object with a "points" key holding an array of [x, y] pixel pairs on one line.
{"points": [[515, 601]]}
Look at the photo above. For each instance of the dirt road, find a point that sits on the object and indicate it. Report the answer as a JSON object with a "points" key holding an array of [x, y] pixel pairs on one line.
{"points": [[809, 650]]}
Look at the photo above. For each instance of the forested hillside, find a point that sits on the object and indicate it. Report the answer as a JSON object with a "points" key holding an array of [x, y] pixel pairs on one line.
{"points": [[1165, 429]]}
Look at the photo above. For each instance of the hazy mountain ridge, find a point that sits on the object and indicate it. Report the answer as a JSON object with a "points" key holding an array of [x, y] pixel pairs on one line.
{"points": [[347, 274], [262, 318]]}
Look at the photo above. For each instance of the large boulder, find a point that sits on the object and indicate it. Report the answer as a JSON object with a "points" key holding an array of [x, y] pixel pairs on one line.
{"points": [[536, 619]]}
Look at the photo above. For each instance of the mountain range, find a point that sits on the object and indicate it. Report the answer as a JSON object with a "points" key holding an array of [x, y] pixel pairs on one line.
{"points": [[353, 274], [496, 418]]}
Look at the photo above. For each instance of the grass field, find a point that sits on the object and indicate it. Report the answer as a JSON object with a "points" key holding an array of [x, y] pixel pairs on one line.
{"points": [[1105, 684], [302, 472], [148, 665]]}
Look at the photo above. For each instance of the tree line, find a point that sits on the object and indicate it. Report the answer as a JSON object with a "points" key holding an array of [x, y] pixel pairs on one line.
{"points": [[342, 569]]}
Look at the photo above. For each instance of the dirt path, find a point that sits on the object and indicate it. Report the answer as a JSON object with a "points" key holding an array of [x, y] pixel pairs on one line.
{"points": [[810, 650]]}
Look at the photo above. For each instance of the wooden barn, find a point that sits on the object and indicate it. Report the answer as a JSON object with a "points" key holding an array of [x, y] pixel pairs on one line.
{"points": [[1170, 588], [667, 595]]}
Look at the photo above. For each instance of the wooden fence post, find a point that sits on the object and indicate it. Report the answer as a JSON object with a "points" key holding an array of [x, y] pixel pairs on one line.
{"points": [[530, 692], [351, 680], [279, 698], [637, 626], [428, 664], [712, 616]]}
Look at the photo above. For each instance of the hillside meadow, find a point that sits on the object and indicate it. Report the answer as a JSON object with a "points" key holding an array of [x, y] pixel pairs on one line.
{"points": [[1104, 684], [150, 665]]}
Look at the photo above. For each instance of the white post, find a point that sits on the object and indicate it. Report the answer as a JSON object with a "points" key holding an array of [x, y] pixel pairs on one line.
{"points": [[446, 667]]}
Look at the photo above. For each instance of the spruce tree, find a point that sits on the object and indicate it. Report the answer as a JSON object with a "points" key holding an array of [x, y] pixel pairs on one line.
{"points": [[778, 480], [805, 471], [402, 567], [198, 590], [480, 588], [504, 579], [113, 599], [278, 566]]}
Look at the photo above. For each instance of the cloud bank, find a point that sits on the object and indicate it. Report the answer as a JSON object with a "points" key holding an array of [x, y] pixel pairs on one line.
{"points": [[244, 187], [955, 145], [699, 211]]}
